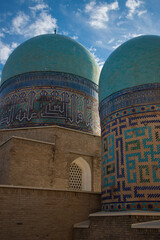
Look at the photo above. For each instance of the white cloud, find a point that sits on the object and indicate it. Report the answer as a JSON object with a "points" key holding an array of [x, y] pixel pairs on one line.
{"points": [[39, 7], [75, 37], [5, 50], [98, 60], [120, 23], [124, 38], [19, 23], [64, 33], [142, 12], [99, 42], [1, 34], [37, 21], [134, 7], [117, 44], [38, 1], [45, 23], [92, 49], [89, 7], [99, 13], [111, 41], [131, 35]]}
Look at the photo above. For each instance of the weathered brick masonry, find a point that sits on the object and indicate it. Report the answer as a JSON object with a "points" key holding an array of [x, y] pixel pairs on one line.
{"points": [[41, 157], [118, 227], [43, 214]]}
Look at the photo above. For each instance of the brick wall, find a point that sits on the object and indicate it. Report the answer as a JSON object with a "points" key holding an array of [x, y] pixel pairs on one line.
{"points": [[43, 214], [118, 228], [41, 157], [5, 156]]}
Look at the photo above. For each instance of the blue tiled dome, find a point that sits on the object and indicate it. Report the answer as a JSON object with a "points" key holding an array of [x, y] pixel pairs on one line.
{"points": [[51, 52], [134, 63]]}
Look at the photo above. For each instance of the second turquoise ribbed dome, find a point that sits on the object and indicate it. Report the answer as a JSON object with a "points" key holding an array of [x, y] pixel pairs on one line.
{"points": [[134, 63], [51, 52]]}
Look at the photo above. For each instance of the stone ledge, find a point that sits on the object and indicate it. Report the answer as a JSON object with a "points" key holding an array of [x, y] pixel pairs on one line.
{"points": [[146, 225], [48, 189], [125, 213], [27, 139], [84, 224], [43, 127]]}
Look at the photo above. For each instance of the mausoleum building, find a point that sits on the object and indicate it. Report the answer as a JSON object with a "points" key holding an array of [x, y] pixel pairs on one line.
{"points": [[65, 173]]}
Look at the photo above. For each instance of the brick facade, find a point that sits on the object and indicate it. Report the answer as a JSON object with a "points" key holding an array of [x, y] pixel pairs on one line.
{"points": [[118, 227], [38, 214], [41, 157]]}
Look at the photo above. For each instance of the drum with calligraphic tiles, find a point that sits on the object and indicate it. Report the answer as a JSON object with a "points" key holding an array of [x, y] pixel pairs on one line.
{"points": [[50, 80]]}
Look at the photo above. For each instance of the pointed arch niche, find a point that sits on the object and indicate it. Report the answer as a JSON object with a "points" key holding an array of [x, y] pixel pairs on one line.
{"points": [[80, 175]]}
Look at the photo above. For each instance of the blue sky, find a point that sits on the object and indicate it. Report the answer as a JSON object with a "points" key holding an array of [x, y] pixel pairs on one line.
{"points": [[101, 26]]}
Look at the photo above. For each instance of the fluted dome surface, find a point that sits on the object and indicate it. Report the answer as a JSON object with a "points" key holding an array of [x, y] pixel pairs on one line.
{"points": [[134, 63], [51, 52]]}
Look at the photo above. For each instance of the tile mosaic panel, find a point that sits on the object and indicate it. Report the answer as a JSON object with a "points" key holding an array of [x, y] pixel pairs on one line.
{"points": [[54, 99], [131, 155]]}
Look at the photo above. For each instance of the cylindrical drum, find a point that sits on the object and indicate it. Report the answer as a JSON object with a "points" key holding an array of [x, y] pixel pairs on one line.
{"points": [[130, 126]]}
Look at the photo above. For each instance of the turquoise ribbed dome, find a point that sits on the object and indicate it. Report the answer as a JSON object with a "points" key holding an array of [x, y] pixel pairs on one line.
{"points": [[134, 63], [51, 52]]}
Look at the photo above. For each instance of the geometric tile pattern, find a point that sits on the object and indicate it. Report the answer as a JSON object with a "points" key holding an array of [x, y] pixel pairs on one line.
{"points": [[131, 158], [54, 99], [134, 99]]}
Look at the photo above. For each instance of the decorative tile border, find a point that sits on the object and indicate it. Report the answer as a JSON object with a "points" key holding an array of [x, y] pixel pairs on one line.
{"points": [[30, 100]]}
